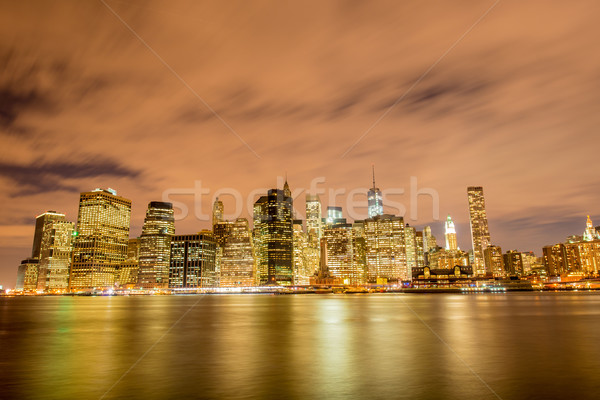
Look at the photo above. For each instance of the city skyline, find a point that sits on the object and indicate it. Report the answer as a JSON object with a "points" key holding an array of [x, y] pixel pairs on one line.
{"points": [[280, 248], [444, 231], [100, 110]]}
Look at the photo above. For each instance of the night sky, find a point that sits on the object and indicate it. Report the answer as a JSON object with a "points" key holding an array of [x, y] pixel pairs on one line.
{"points": [[235, 94]]}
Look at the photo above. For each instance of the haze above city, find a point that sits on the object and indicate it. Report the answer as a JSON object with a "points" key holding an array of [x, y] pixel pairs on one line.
{"points": [[511, 107]]}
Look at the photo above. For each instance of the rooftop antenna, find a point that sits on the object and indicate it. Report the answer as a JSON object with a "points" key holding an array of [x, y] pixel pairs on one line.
{"points": [[373, 166]]}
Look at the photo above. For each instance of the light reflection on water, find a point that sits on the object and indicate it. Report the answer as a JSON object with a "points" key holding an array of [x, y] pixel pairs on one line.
{"points": [[523, 345]]}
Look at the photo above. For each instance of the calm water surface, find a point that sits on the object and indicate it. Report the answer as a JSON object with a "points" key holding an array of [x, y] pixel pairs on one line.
{"points": [[388, 346]]}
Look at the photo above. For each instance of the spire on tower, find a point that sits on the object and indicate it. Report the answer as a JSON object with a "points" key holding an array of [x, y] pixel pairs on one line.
{"points": [[286, 187], [373, 167]]}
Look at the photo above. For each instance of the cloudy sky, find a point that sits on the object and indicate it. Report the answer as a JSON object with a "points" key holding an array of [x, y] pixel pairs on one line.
{"points": [[149, 97]]}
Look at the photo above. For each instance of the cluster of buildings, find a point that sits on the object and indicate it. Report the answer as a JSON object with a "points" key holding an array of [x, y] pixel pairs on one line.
{"points": [[276, 250]]}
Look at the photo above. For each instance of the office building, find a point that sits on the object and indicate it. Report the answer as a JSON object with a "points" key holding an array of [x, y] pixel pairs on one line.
{"points": [[480, 234], [410, 242], [513, 263], [40, 222], [313, 218], [238, 264], [102, 239], [195, 261], [55, 255], [155, 246], [344, 254], [385, 249], [27, 275], [129, 269], [273, 233], [495, 260], [335, 216]]}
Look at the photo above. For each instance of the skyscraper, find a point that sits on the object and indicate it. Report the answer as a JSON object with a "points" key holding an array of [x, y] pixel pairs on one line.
{"points": [[495, 260], [590, 232], [55, 256], [410, 241], [451, 243], [313, 217], [375, 199], [194, 261], [102, 239], [217, 215], [27, 275], [555, 259], [480, 234], [302, 272], [429, 241], [273, 230], [40, 222], [385, 248], [238, 263], [155, 246], [314, 232], [513, 262], [343, 251], [129, 269], [335, 215]]}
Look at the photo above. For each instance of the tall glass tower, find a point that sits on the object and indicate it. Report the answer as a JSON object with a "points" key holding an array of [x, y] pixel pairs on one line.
{"points": [[273, 231], [102, 239], [480, 234], [155, 246], [375, 199]]}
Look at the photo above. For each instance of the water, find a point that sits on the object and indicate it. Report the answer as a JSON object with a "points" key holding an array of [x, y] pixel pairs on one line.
{"points": [[485, 346]]}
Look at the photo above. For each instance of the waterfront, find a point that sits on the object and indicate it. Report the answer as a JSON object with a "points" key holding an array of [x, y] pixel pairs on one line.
{"points": [[506, 345]]}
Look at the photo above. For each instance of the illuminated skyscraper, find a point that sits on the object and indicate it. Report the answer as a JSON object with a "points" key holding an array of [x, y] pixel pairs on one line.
{"points": [[217, 212], [313, 217], [302, 272], [451, 243], [590, 232], [375, 199], [420, 250], [555, 259], [513, 262], [495, 260], [130, 268], [335, 215], [194, 261], [102, 239], [27, 275], [343, 251], [314, 232], [238, 263], [480, 233], [56, 254], [429, 241], [273, 232], [385, 248], [40, 222], [410, 241], [155, 246]]}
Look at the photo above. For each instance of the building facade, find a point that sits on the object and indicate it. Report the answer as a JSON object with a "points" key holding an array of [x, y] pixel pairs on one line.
{"points": [[273, 233], [194, 261], [155, 246], [480, 234], [55, 256], [100, 245], [385, 249], [238, 263]]}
